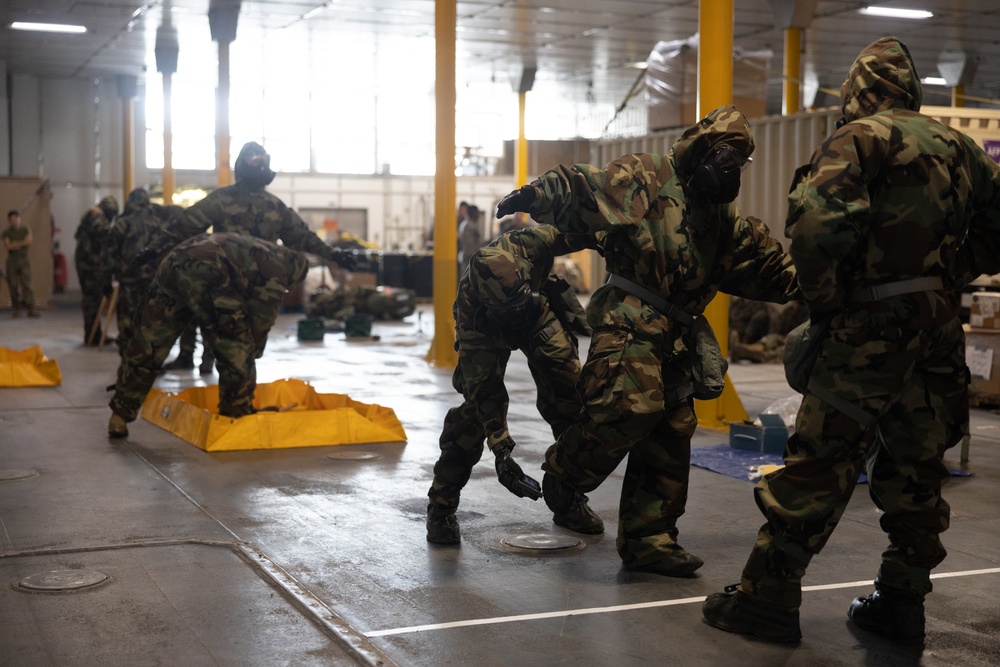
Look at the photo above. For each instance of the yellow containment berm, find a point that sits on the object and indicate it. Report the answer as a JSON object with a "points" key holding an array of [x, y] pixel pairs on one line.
{"points": [[291, 413], [28, 368]]}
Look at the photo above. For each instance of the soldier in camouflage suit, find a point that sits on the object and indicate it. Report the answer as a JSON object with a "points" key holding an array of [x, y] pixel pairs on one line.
{"points": [[94, 276], [876, 221], [17, 242], [232, 284], [672, 238], [247, 208], [508, 300], [128, 235]]}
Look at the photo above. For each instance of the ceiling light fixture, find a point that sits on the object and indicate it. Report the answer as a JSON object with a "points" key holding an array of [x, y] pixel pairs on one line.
{"points": [[892, 12], [934, 81], [48, 27]]}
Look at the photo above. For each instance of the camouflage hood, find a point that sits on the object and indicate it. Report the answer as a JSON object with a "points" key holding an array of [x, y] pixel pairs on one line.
{"points": [[882, 77], [725, 125], [138, 198], [499, 277]]}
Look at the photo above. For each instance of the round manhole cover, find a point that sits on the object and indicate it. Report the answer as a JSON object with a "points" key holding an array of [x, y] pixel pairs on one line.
{"points": [[7, 475], [542, 542], [57, 581], [353, 456]]}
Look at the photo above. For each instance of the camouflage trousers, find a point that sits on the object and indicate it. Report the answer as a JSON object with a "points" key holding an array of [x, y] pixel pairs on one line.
{"points": [[19, 284], [162, 316], [130, 295], [626, 412], [908, 369], [555, 368]]}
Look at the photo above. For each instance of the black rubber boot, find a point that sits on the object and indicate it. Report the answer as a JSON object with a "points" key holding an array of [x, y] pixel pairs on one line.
{"points": [[442, 526], [569, 507], [895, 616], [734, 611], [676, 563], [183, 362]]}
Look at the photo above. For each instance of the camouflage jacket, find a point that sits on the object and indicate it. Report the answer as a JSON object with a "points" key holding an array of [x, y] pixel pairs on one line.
{"points": [[243, 210], [892, 194], [497, 270], [91, 236], [17, 235], [245, 277], [129, 234], [649, 232]]}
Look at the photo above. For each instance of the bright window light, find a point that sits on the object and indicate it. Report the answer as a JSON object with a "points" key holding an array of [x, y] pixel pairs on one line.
{"points": [[48, 27], [934, 81], [897, 13]]}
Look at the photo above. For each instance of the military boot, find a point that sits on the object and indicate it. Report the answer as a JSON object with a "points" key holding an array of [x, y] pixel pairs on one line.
{"points": [[569, 507], [735, 611], [117, 428], [442, 526], [32, 312], [676, 563], [183, 362], [896, 616]]}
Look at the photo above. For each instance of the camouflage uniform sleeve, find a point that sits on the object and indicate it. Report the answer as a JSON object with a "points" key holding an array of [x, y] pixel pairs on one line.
{"points": [[584, 199], [827, 207], [761, 269], [195, 220], [980, 252], [295, 233]]}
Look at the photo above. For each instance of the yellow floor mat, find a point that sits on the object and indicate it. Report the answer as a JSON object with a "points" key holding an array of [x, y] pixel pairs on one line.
{"points": [[28, 368], [294, 415]]}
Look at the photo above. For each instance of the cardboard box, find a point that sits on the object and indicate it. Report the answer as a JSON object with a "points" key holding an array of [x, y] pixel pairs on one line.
{"points": [[770, 437], [984, 312], [982, 356]]}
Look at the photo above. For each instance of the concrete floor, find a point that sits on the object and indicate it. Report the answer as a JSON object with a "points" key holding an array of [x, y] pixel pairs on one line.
{"points": [[292, 557]]}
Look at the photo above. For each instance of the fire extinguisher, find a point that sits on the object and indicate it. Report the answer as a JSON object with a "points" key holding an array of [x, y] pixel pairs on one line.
{"points": [[59, 277]]}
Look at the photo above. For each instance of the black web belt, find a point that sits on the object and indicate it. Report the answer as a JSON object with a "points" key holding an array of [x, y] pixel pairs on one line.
{"points": [[654, 300], [884, 291]]}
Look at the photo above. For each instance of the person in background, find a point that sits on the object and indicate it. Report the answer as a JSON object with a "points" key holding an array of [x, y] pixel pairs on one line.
{"points": [[893, 214], [671, 238], [93, 274], [17, 242]]}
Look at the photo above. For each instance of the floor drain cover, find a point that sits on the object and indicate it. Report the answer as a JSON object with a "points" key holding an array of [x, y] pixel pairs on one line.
{"points": [[353, 456], [7, 475], [57, 581], [542, 542]]}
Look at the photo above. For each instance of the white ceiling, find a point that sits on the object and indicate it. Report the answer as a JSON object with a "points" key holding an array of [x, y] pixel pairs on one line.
{"points": [[581, 48]]}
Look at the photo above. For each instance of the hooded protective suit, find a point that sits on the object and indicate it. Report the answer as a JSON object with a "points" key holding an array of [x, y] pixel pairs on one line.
{"points": [[516, 263], [656, 232], [881, 222]]}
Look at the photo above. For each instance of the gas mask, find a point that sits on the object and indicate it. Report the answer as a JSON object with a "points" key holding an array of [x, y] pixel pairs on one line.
{"points": [[253, 166], [520, 311], [717, 178]]}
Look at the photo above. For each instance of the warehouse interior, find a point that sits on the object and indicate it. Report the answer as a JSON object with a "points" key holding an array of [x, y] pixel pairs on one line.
{"points": [[152, 551]]}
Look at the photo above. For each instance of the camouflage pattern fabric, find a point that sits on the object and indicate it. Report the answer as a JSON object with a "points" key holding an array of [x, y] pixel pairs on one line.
{"points": [[684, 250], [18, 272], [483, 352], [232, 285], [887, 197], [92, 272], [128, 235], [383, 303], [243, 209]]}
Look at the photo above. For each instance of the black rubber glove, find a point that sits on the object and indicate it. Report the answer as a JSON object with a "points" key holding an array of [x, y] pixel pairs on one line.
{"points": [[107, 290], [519, 200], [510, 474], [346, 259], [145, 256]]}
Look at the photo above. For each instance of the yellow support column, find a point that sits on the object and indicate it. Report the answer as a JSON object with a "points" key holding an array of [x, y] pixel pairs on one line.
{"points": [[958, 95], [791, 87], [521, 163], [715, 89], [442, 351], [168, 142], [224, 171]]}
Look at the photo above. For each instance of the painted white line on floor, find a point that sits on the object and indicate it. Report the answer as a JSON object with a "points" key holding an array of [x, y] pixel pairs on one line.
{"points": [[628, 607]]}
